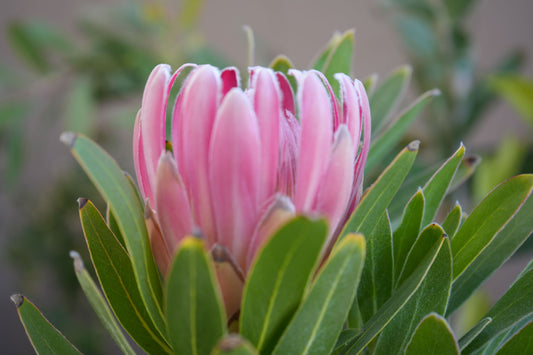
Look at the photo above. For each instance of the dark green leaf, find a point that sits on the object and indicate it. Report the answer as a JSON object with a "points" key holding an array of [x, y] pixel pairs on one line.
{"points": [[123, 199], [99, 304], [387, 96], [433, 336], [319, 320], [394, 131], [405, 235], [44, 338], [474, 332], [194, 310], [277, 281], [516, 304], [458, 8], [115, 272], [520, 343], [453, 220]]}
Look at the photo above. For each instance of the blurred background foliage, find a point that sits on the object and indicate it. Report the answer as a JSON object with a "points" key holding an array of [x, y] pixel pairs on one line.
{"points": [[91, 80]]}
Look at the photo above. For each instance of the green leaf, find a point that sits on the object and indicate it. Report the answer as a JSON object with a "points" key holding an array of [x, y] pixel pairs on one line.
{"points": [[113, 226], [497, 342], [345, 337], [474, 332], [339, 59], [518, 91], [395, 303], [431, 296], [282, 64], [115, 271], [387, 96], [277, 280], [436, 188], [490, 235], [457, 9], [376, 283], [376, 198], [123, 199], [194, 310], [99, 304], [516, 304], [44, 338], [405, 235], [394, 131], [79, 109], [233, 344], [370, 84], [319, 320], [520, 343], [433, 336], [453, 220]]}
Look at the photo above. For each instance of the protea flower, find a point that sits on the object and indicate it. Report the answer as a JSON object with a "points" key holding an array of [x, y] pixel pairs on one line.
{"points": [[243, 161]]}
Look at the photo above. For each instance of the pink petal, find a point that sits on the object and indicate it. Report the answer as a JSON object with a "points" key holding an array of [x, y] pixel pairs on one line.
{"points": [[267, 110], [289, 142], [230, 79], [234, 173], [336, 115], [138, 160], [153, 117], [278, 212], [351, 107], [335, 190], [172, 204], [160, 249], [191, 133], [286, 91], [315, 141]]}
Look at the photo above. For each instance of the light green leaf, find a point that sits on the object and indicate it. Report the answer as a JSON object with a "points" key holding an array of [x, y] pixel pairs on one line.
{"points": [[339, 59], [282, 64], [433, 336], [45, 339], [376, 283], [387, 96], [194, 311], [394, 131], [378, 197], [99, 304], [115, 271], [318, 322], [490, 235], [79, 106], [453, 220], [370, 83], [277, 281], [518, 91], [431, 296], [520, 343], [233, 344], [123, 199], [405, 235], [515, 305], [395, 303], [474, 332]]}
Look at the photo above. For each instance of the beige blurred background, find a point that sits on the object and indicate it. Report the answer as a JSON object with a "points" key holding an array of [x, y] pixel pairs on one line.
{"points": [[298, 29]]}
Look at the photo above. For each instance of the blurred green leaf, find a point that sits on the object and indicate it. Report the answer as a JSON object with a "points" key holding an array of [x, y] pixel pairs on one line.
{"points": [[339, 59], [44, 338], [233, 344], [516, 304], [474, 332], [277, 280], [189, 13], [520, 343], [432, 336], [99, 304], [79, 106], [518, 91], [387, 96], [418, 35], [453, 220], [194, 311], [116, 189], [319, 319], [117, 278], [459, 8], [370, 83]]}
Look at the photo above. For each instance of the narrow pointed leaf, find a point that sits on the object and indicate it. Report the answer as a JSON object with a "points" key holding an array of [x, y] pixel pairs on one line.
{"points": [[118, 192], [99, 305], [431, 296], [282, 64], [433, 336], [474, 332], [497, 342], [45, 339], [387, 96], [516, 304], [378, 197], [113, 226], [115, 272], [277, 280], [393, 133], [405, 235], [233, 344], [520, 343], [339, 59], [376, 283], [319, 320], [194, 311], [453, 220], [398, 300]]}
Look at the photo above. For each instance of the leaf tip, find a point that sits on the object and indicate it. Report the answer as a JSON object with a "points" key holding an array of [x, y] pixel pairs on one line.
{"points": [[78, 263], [435, 92], [17, 299], [230, 343], [413, 146], [82, 201], [68, 138]]}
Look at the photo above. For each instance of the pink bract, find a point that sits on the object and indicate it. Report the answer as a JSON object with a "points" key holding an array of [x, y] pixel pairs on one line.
{"points": [[242, 163]]}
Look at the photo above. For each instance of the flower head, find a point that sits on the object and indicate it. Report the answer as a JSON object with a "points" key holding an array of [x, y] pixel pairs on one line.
{"points": [[243, 161]]}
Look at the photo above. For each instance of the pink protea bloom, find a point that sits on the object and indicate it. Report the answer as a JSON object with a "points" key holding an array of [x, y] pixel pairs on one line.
{"points": [[242, 163]]}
